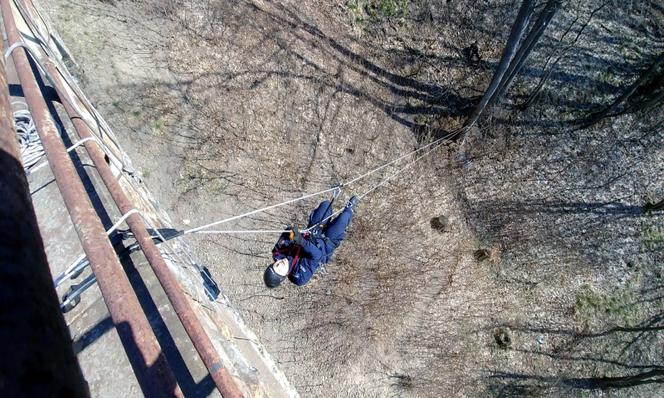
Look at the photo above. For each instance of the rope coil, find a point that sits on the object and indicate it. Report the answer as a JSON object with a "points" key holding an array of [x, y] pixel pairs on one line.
{"points": [[28, 139]]}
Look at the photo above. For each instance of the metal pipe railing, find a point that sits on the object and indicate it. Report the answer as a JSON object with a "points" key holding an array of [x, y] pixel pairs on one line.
{"points": [[223, 380], [201, 341], [36, 351], [143, 351]]}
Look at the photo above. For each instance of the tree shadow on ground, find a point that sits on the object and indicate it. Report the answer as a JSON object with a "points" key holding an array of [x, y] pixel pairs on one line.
{"points": [[609, 359], [400, 96], [594, 67]]}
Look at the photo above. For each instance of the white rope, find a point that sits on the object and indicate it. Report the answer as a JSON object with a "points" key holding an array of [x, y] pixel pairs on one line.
{"points": [[32, 151], [30, 145], [244, 231], [22, 104], [370, 172], [101, 125], [391, 177], [432, 145], [303, 197], [11, 49], [80, 261], [71, 148], [439, 142]]}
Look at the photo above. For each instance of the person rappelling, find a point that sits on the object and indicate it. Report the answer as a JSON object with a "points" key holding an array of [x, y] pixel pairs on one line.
{"points": [[298, 255]]}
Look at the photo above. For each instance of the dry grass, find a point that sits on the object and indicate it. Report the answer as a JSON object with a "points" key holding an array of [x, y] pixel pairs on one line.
{"points": [[261, 100]]}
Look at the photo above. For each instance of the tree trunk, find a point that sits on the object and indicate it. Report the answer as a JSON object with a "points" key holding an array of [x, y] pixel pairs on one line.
{"points": [[518, 29], [526, 48], [550, 66]]}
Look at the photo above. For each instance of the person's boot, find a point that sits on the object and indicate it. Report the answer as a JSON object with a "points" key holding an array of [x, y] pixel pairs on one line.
{"points": [[352, 202]]}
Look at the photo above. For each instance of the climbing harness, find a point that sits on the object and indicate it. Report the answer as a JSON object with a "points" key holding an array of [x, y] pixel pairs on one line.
{"points": [[285, 248], [296, 257]]}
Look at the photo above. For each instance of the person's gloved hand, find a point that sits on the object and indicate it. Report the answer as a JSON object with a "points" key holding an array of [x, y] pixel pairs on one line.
{"points": [[297, 236]]}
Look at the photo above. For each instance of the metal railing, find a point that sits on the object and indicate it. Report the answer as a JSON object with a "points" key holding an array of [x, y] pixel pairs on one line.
{"points": [[34, 329], [139, 341]]}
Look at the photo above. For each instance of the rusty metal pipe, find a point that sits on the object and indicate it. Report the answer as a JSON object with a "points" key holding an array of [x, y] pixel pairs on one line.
{"points": [[36, 351], [201, 341], [151, 369]]}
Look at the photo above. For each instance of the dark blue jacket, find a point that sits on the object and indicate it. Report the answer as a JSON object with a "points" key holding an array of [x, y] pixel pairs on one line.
{"points": [[314, 252]]}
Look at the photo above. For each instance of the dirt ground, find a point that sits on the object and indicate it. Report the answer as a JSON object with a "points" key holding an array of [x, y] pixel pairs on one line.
{"points": [[227, 106]]}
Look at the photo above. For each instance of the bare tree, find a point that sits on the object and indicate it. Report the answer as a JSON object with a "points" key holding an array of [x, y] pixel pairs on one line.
{"points": [[551, 64], [646, 92], [518, 29], [516, 51], [527, 47]]}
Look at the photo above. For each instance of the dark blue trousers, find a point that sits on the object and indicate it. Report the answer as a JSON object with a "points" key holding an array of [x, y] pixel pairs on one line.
{"points": [[334, 229]]}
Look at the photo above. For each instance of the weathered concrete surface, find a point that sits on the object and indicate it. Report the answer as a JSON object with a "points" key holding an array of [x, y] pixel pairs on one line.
{"points": [[97, 345]]}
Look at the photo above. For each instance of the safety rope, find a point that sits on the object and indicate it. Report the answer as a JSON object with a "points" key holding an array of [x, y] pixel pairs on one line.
{"points": [[395, 174], [428, 147], [204, 229]]}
